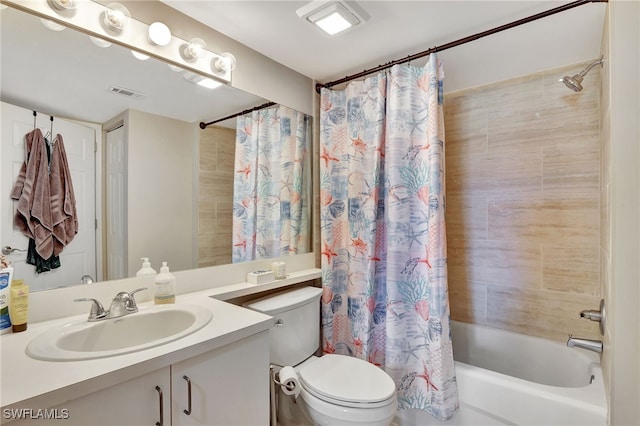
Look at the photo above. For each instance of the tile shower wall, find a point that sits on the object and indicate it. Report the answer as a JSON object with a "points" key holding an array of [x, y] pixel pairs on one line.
{"points": [[215, 195], [523, 204]]}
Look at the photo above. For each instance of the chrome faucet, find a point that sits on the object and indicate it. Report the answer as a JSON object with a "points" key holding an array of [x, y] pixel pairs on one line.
{"points": [[122, 304], [87, 279], [588, 344]]}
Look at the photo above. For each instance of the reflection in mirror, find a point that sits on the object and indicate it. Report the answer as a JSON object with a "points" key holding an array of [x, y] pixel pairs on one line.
{"points": [[163, 188]]}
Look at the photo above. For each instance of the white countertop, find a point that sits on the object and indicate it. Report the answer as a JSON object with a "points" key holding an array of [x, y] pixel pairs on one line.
{"points": [[27, 382]]}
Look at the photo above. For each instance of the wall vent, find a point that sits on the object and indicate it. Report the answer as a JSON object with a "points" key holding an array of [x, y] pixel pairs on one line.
{"points": [[125, 92]]}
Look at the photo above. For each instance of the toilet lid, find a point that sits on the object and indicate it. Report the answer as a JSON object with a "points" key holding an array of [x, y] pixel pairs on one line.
{"points": [[347, 379]]}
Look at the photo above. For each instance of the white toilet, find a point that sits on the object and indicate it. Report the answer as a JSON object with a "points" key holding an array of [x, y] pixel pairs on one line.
{"points": [[335, 390]]}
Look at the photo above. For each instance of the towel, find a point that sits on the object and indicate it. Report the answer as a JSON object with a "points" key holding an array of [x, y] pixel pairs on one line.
{"points": [[33, 193], [63, 200]]}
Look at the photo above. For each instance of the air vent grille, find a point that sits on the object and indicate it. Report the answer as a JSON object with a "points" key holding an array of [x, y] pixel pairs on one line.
{"points": [[125, 92]]}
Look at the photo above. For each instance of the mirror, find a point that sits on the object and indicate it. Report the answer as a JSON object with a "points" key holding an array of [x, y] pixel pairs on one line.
{"points": [[65, 74]]}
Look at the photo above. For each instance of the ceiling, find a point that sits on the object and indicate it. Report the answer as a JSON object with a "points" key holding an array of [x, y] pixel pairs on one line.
{"points": [[396, 29]]}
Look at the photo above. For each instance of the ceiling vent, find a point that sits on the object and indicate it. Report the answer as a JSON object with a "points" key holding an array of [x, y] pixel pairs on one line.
{"points": [[125, 92]]}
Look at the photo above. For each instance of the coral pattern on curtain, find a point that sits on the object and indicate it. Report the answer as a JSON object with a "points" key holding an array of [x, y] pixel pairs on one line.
{"points": [[270, 193], [384, 258]]}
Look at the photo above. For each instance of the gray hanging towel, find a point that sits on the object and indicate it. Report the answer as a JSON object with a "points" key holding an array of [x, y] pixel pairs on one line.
{"points": [[63, 200]]}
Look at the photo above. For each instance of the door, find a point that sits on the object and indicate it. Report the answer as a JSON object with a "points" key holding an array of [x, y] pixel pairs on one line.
{"points": [[79, 257], [116, 217]]}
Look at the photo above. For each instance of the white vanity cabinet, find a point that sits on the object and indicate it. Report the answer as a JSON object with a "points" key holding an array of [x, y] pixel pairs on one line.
{"points": [[229, 386]]}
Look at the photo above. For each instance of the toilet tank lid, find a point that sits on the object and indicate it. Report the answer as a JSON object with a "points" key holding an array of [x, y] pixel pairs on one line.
{"points": [[284, 301]]}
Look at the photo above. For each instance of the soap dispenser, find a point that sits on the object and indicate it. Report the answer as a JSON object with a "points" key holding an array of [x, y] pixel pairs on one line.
{"points": [[164, 283], [146, 271]]}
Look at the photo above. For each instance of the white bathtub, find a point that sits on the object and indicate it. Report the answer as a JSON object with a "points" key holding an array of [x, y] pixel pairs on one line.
{"points": [[507, 378]]}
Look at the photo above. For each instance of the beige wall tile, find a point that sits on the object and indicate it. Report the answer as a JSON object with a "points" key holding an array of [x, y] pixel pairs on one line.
{"points": [[552, 315], [215, 198], [524, 204], [466, 216], [571, 268]]}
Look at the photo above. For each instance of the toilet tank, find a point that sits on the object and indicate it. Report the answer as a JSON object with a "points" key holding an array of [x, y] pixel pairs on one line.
{"points": [[296, 333]]}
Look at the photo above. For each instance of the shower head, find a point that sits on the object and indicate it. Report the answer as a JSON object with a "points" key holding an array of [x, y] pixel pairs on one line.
{"points": [[575, 83]]}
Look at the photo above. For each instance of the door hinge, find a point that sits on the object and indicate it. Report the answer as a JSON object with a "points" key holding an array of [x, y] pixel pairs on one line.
{"points": [[96, 221]]}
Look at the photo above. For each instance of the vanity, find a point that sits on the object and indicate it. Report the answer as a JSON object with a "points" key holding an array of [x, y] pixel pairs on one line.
{"points": [[218, 374], [221, 366]]}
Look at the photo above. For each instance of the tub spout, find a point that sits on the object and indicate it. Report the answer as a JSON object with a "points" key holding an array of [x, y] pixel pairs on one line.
{"points": [[588, 344]]}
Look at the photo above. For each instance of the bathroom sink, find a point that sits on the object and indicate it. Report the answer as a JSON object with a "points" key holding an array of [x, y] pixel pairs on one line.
{"points": [[149, 327]]}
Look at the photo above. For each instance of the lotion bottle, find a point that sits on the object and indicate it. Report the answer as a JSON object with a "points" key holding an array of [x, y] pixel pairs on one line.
{"points": [[19, 305], [164, 283]]}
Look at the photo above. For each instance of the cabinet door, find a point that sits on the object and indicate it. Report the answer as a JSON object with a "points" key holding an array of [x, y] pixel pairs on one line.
{"points": [[229, 386], [135, 402]]}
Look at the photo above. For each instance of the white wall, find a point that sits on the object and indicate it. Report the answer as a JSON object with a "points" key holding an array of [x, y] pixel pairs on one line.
{"points": [[160, 222], [622, 354]]}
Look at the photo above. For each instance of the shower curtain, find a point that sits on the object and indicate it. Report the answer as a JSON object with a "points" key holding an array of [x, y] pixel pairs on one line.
{"points": [[271, 183], [384, 263]]}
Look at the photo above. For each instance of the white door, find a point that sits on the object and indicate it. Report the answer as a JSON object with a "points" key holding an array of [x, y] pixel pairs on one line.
{"points": [[116, 219], [79, 257]]}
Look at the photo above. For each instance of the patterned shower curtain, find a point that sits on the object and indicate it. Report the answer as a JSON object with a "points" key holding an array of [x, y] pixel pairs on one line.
{"points": [[270, 193], [384, 257]]}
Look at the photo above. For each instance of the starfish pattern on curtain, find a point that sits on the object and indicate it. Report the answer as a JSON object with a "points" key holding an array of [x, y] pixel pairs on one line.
{"points": [[270, 194], [383, 240]]}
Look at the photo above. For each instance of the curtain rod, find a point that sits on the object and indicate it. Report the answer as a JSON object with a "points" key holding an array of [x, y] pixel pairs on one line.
{"points": [[204, 125], [458, 42]]}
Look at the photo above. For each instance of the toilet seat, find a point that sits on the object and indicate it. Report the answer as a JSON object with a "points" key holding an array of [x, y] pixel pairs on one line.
{"points": [[348, 382]]}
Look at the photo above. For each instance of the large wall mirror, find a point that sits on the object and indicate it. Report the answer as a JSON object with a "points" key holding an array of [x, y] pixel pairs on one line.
{"points": [[155, 185]]}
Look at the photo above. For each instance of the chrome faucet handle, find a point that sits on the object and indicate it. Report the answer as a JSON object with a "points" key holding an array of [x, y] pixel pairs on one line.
{"points": [[599, 316], [128, 300], [97, 310], [131, 302]]}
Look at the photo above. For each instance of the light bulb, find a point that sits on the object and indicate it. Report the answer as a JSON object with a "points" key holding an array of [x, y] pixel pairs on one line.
{"points": [[225, 62], [159, 34], [194, 50], [100, 42], [139, 55], [116, 16], [53, 26]]}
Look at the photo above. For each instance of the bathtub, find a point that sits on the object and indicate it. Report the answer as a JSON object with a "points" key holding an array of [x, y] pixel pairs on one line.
{"points": [[507, 378]]}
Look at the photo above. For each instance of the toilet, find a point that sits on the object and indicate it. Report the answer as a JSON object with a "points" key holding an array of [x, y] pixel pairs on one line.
{"points": [[335, 390]]}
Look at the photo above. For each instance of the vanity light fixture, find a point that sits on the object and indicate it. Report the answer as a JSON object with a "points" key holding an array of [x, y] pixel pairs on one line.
{"points": [[116, 16], [333, 17], [53, 26], [225, 62], [175, 68], [159, 34], [193, 50]]}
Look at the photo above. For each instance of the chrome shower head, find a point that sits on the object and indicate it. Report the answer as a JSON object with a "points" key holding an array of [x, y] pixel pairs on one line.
{"points": [[575, 83]]}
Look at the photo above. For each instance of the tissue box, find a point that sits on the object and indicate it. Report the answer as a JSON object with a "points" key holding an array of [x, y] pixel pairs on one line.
{"points": [[260, 277]]}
